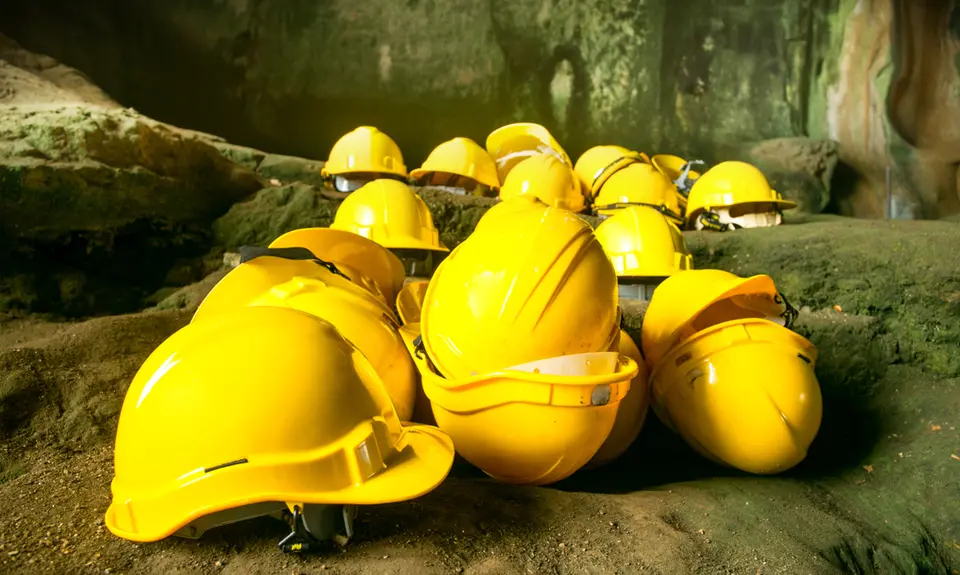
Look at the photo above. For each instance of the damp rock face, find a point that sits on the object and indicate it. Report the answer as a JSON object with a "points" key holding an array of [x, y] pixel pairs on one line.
{"points": [[698, 80], [97, 201], [276, 210], [75, 168], [800, 169]]}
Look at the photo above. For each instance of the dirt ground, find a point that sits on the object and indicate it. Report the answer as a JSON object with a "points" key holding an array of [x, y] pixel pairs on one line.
{"points": [[878, 493]]}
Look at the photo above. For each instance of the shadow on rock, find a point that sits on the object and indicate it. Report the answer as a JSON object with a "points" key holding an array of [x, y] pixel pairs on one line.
{"points": [[854, 355], [456, 516], [65, 387]]}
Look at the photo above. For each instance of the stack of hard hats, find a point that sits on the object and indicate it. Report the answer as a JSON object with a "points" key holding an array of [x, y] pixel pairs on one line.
{"points": [[286, 394], [391, 214], [459, 166], [545, 177], [519, 345], [638, 184], [727, 371], [734, 195], [531, 162], [511, 144], [361, 156], [614, 177], [644, 247], [409, 306], [595, 166]]}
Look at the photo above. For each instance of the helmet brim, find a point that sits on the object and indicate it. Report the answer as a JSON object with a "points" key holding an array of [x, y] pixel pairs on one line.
{"points": [[366, 256]]}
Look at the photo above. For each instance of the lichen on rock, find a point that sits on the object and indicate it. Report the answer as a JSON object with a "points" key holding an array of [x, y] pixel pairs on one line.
{"points": [[97, 200]]}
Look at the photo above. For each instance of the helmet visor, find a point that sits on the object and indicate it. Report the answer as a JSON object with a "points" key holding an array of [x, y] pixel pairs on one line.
{"points": [[352, 182]]}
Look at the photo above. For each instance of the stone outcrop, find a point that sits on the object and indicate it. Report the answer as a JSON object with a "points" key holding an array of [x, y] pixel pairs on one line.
{"points": [[97, 202], [878, 77]]}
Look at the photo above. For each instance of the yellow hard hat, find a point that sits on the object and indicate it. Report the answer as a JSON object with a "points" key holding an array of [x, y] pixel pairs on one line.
{"points": [[509, 145], [633, 408], [672, 167], [738, 190], [505, 207], [391, 214], [410, 301], [364, 321], [365, 150], [531, 284], [595, 166], [261, 269], [692, 300], [364, 261], [535, 423], [459, 157], [642, 242], [422, 411], [546, 178], [257, 406], [638, 184], [743, 393]]}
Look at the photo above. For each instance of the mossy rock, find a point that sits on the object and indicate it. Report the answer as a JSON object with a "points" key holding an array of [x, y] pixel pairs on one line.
{"points": [[870, 496], [801, 169], [288, 169], [76, 168], [896, 271], [276, 210]]}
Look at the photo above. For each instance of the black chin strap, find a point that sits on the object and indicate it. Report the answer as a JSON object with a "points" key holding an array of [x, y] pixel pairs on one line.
{"points": [[631, 159], [790, 313], [248, 253], [670, 214], [711, 221]]}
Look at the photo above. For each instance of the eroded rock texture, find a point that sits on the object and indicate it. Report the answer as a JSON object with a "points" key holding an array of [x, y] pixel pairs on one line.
{"points": [[699, 78], [97, 201], [892, 100]]}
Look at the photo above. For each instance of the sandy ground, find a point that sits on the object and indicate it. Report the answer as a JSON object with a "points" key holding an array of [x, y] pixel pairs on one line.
{"points": [[660, 509]]}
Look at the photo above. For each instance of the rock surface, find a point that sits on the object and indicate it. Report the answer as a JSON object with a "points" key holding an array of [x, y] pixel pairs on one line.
{"points": [[799, 168], [642, 73], [874, 495], [97, 200]]}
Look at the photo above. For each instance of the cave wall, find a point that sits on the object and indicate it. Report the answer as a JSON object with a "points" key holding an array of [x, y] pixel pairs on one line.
{"points": [[697, 77], [890, 96]]}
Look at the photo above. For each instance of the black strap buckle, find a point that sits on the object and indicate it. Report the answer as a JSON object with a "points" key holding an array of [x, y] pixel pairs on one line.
{"points": [[298, 540], [790, 313], [248, 253], [711, 221], [670, 214], [418, 349]]}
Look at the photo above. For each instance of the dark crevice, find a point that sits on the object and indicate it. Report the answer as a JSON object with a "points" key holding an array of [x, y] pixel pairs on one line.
{"points": [[842, 185], [83, 274]]}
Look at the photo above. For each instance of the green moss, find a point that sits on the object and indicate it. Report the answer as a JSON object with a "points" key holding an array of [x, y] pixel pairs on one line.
{"points": [[893, 271], [835, 22], [870, 495], [455, 216], [276, 210], [272, 212], [11, 469]]}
